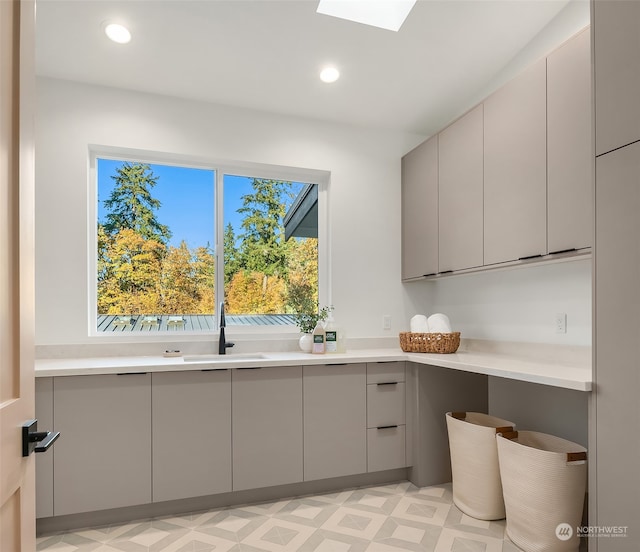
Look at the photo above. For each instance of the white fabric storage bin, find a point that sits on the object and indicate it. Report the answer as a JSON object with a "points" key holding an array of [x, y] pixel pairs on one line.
{"points": [[544, 480], [477, 489]]}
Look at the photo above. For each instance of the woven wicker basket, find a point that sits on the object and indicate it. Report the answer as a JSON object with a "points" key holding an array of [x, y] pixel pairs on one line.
{"points": [[429, 342]]}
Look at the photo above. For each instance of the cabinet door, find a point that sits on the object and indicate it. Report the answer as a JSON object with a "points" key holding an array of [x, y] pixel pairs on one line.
{"points": [[570, 154], [515, 168], [103, 457], [44, 462], [191, 434], [616, 28], [617, 298], [266, 426], [460, 193], [420, 210], [335, 425]]}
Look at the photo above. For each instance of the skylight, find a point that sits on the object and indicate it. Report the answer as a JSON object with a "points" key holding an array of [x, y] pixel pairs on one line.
{"points": [[385, 14]]}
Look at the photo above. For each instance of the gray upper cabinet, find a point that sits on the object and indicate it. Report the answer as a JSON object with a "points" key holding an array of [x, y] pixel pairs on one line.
{"points": [[266, 427], [191, 434], [335, 420], [515, 168], [617, 73], [460, 189], [570, 196], [103, 457], [420, 210]]}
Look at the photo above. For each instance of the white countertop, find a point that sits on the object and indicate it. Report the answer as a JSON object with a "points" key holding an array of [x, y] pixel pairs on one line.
{"points": [[542, 370]]}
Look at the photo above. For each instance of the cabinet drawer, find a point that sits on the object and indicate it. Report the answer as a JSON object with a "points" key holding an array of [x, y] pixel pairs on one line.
{"points": [[381, 372], [385, 404], [386, 448]]}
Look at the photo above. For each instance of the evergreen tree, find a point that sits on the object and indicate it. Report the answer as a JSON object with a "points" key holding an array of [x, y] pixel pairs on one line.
{"points": [[231, 255], [131, 205], [263, 247]]}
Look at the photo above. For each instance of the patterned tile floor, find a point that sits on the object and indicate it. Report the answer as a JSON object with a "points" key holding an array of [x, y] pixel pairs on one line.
{"points": [[387, 518]]}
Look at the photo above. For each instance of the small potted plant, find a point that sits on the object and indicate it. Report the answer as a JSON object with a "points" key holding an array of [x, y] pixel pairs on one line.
{"points": [[307, 321]]}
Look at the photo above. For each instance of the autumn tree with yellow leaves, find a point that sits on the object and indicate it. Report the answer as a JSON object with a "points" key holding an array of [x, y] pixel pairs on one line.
{"points": [[139, 273]]}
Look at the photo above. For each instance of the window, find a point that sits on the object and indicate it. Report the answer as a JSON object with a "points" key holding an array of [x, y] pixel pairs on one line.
{"points": [[173, 241]]}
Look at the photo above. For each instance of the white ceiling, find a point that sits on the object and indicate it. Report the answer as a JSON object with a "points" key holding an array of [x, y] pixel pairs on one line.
{"points": [[266, 54]]}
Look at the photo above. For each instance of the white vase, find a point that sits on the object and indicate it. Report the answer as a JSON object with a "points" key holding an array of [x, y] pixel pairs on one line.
{"points": [[306, 342]]}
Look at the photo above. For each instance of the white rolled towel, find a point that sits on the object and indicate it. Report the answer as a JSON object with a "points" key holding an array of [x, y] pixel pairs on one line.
{"points": [[439, 323], [419, 324]]}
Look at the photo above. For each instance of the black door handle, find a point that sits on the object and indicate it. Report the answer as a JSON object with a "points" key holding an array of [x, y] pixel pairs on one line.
{"points": [[34, 440]]}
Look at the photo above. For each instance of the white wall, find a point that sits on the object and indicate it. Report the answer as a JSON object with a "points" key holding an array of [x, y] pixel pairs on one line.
{"points": [[519, 304], [364, 209], [364, 205]]}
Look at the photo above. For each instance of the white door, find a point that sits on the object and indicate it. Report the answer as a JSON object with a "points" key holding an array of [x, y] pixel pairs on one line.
{"points": [[17, 474]]}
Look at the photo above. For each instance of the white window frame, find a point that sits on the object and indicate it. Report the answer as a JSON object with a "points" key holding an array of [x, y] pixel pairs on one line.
{"points": [[236, 168]]}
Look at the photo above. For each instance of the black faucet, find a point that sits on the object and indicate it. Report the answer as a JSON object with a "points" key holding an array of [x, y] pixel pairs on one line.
{"points": [[222, 342]]}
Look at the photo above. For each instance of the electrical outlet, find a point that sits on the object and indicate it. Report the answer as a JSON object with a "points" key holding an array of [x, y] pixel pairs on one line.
{"points": [[561, 323], [386, 321]]}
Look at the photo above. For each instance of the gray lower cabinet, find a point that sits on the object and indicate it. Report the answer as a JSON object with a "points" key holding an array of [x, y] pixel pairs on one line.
{"points": [[44, 462], [134, 439], [570, 152], [267, 427], [335, 438], [460, 192], [191, 423], [103, 456], [420, 210], [386, 416], [515, 168]]}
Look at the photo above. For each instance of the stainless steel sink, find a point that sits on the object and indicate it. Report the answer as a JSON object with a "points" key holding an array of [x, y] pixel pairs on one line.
{"points": [[222, 358]]}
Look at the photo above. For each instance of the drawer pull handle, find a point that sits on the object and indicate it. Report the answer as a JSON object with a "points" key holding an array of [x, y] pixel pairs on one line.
{"points": [[562, 251], [527, 257], [249, 368], [132, 373], [215, 370], [388, 383], [387, 427]]}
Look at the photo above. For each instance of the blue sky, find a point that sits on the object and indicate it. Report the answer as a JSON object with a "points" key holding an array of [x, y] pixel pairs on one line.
{"points": [[187, 198]]}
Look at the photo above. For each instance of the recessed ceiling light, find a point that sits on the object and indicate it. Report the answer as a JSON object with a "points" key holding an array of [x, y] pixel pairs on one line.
{"points": [[118, 33], [329, 74], [385, 14]]}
